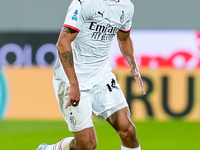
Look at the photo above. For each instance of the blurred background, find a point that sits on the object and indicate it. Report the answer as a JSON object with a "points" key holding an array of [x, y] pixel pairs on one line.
{"points": [[166, 38]]}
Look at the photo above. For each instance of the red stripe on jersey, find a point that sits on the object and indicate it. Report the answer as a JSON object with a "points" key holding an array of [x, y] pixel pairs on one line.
{"points": [[71, 27], [125, 31]]}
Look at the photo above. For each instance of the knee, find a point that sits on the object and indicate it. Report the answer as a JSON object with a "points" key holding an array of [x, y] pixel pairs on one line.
{"points": [[89, 145], [128, 133], [85, 144]]}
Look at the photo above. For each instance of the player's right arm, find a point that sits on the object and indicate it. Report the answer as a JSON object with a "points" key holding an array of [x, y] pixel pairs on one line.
{"points": [[63, 45], [78, 12]]}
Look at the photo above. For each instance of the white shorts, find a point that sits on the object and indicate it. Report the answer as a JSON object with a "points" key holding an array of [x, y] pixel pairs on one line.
{"points": [[103, 100]]}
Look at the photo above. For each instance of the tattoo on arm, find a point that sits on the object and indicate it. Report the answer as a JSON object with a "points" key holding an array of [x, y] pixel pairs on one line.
{"points": [[69, 30], [67, 57]]}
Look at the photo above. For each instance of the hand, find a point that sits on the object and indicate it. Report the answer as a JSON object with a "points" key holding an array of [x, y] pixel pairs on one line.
{"points": [[74, 96], [136, 75]]}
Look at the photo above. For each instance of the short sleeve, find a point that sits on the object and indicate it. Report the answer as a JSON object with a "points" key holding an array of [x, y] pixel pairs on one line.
{"points": [[126, 27], [77, 14]]}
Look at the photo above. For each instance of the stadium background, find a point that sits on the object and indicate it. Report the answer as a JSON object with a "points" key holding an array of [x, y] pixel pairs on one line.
{"points": [[166, 36]]}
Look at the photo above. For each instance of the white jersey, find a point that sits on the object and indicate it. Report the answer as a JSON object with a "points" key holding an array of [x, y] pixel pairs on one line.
{"points": [[97, 22]]}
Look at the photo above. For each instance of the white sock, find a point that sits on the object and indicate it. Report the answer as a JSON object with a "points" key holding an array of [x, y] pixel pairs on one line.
{"points": [[62, 145], [125, 148]]}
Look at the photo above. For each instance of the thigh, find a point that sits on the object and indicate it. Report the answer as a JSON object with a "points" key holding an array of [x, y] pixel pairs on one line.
{"points": [[120, 120], [77, 118], [108, 98]]}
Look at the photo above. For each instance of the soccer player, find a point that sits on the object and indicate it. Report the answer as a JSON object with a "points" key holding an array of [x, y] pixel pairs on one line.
{"points": [[83, 81]]}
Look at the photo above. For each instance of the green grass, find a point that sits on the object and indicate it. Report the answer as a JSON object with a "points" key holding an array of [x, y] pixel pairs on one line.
{"points": [[153, 135]]}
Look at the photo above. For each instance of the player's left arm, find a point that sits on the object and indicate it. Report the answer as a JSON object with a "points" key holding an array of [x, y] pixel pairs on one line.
{"points": [[126, 47]]}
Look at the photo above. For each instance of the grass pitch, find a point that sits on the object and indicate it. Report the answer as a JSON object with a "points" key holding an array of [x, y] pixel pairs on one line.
{"points": [[153, 135]]}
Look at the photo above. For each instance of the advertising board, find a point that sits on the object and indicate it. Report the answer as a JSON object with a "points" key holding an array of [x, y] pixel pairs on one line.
{"points": [[169, 61]]}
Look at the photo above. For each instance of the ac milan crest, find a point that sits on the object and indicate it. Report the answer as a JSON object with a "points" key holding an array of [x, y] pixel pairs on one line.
{"points": [[122, 17]]}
